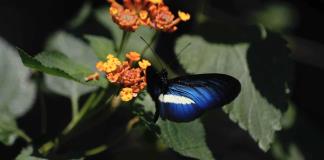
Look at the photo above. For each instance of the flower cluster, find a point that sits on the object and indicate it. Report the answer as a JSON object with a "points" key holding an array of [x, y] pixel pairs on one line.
{"points": [[153, 13], [129, 74]]}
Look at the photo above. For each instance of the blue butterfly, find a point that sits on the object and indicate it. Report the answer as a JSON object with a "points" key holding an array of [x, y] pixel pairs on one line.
{"points": [[185, 98]]}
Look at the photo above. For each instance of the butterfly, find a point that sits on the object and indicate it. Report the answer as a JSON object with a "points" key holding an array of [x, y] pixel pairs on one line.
{"points": [[186, 98]]}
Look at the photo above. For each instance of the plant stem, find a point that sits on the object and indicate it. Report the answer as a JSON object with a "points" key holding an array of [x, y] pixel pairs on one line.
{"points": [[96, 150], [123, 42], [47, 147], [24, 136], [95, 103], [92, 101], [75, 105], [102, 148]]}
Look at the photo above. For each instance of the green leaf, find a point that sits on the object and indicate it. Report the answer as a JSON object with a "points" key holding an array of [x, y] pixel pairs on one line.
{"points": [[31, 62], [17, 92], [77, 50], [101, 45], [26, 154], [187, 139], [250, 109], [56, 63]]}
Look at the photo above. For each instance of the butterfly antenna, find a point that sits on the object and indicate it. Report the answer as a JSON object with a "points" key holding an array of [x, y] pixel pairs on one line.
{"points": [[181, 51], [184, 48], [154, 53]]}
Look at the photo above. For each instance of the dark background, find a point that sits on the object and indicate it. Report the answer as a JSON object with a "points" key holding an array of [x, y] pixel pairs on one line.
{"points": [[27, 24]]}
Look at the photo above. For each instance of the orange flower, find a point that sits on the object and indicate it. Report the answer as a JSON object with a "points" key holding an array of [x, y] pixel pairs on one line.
{"points": [[130, 15], [153, 13], [161, 18], [94, 76], [124, 74], [133, 56]]}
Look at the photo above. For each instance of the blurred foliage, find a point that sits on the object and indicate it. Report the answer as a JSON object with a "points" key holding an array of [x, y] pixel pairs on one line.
{"points": [[279, 17], [79, 52], [220, 43], [17, 93]]}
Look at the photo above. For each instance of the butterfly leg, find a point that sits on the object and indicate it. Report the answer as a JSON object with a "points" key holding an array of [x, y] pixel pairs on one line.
{"points": [[157, 113]]}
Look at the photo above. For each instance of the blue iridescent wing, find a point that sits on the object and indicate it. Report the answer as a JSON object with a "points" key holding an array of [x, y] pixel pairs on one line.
{"points": [[187, 97]]}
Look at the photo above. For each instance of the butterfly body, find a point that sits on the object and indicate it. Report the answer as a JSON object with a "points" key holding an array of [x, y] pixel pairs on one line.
{"points": [[185, 98]]}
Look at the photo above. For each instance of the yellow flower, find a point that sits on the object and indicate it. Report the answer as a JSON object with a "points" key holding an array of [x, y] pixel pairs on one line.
{"points": [[183, 16], [100, 66], [113, 10], [115, 61], [112, 59], [144, 64], [143, 14], [156, 1], [126, 94], [110, 66], [110, 56]]}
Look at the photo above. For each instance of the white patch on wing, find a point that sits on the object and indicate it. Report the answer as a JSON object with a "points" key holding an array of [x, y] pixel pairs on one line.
{"points": [[169, 98]]}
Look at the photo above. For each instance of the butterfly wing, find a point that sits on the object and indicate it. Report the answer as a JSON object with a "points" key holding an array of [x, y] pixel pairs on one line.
{"points": [[188, 97]]}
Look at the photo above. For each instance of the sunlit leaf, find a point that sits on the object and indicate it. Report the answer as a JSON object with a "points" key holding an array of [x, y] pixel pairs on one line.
{"points": [[250, 109]]}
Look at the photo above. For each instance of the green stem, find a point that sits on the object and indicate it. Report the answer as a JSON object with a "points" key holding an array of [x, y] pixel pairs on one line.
{"points": [[75, 106], [24, 136], [92, 101], [104, 147], [95, 104], [47, 147], [123, 42], [96, 150]]}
